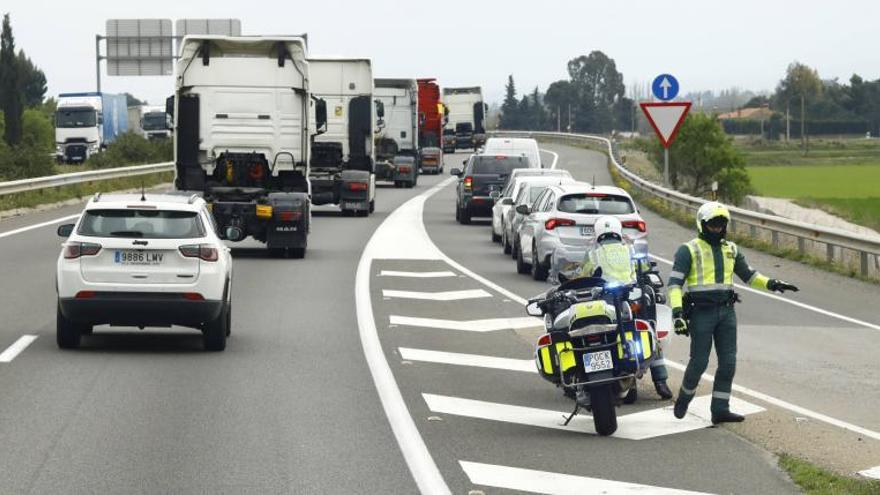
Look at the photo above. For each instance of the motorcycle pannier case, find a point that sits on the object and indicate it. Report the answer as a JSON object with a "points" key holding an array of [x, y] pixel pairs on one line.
{"points": [[552, 355]]}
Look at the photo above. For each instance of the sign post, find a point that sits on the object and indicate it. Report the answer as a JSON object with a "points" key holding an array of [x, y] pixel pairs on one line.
{"points": [[666, 117]]}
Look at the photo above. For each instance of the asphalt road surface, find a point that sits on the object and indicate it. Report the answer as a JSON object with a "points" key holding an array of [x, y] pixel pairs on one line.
{"points": [[424, 381]]}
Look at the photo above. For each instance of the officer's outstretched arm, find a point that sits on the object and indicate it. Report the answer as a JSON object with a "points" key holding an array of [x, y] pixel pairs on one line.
{"points": [[681, 267], [756, 279]]}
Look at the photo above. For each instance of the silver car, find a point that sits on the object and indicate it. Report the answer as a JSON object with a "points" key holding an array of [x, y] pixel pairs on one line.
{"points": [[504, 202], [564, 215]]}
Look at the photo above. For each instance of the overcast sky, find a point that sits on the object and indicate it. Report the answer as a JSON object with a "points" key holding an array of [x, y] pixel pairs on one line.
{"points": [[707, 44]]}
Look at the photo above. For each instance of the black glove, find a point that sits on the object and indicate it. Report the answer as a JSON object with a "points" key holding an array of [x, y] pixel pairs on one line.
{"points": [[780, 286], [679, 323]]}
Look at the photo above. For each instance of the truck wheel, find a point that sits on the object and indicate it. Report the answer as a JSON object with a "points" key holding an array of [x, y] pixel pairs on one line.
{"points": [[604, 414], [521, 266], [539, 271], [67, 332], [362, 213], [216, 330], [298, 253]]}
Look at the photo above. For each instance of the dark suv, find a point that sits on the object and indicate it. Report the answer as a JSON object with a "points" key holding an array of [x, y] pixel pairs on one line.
{"points": [[482, 175]]}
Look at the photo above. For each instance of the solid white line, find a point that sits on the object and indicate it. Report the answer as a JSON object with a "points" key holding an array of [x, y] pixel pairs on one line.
{"points": [[794, 303], [873, 472], [421, 465], [555, 158], [37, 226], [475, 360], [392, 273], [484, 325], [15, 349], [449, 295], [530, 480]]}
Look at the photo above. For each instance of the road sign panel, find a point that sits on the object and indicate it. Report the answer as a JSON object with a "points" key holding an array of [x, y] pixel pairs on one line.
{"points": [[139, 47], [223, 27], [665, 87], [666, 119]]}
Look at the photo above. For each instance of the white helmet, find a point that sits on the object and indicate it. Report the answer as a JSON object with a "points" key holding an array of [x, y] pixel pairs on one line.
{"points": [[608, 227]]}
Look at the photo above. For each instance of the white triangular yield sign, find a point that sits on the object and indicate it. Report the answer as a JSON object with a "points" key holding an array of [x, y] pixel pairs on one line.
{"points": [[666, 118]]}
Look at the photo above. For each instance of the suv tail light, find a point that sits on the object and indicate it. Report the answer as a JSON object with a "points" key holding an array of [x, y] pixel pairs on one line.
{"points": [[468, 183], [405, 169], [74, 250], [635, 224], [204, 252], [357, 186], [552, 223]]}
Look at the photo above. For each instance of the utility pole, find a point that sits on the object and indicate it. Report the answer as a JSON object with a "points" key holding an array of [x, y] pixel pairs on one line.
{"points": [[803, 126], [569, 117], [558, 119], [787, 121], [666, 166]]}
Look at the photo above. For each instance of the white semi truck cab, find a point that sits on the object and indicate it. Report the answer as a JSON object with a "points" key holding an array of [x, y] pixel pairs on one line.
{"points": [[244, 118], [399, 133], [467, 115], [343, 158], [155, 122], [85, 123]]}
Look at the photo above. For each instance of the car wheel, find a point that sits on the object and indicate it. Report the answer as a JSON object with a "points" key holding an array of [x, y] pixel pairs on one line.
{"points": [[505, 241], [228, 319], [539, 271], [465, 215], [372, 205], [514, 249], [457, 214], [67, 332], [398, 184], [521, 266], [216, 331], [495, 237]]}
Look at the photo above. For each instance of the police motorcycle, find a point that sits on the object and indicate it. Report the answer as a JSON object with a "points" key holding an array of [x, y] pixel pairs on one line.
{"points": [[594, 346]]}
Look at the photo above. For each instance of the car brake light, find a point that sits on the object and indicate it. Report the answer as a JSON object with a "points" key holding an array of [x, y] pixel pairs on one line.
{"points": [[642, 326], [289, 216], [404, 169], [639, 225], [74, 250], [204, 252], [85, 294], [552, 223], [468, 183], [357, 186], [545, 340], [193, 296]]}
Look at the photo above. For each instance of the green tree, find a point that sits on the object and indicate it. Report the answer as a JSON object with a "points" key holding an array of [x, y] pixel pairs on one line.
{"points": [[38, 133], [539, 113], [598, 85], [510, 116], [33, 81], [803, 83], [703, 153], [560, 96], [10, 84]]}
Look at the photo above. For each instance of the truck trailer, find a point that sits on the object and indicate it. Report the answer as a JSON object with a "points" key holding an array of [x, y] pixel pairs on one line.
{"points": [[343, 158], [467, 115], [85, 123], [432, 114], [244, 120], [398, 133]]}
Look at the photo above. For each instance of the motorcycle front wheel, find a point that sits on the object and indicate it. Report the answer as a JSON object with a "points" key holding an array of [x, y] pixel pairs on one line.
{"points": [[604, 412]]}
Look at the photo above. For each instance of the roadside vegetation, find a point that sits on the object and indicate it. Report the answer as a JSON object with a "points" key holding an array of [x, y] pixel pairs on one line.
{"points": [[817, 481]]}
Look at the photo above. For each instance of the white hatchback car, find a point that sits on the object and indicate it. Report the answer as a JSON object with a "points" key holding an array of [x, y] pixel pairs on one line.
{"points": [[564, 215], [134, 260]]}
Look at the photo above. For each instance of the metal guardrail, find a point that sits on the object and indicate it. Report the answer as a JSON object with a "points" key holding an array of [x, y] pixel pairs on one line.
{"points": [[23, 185], [833, 239]]}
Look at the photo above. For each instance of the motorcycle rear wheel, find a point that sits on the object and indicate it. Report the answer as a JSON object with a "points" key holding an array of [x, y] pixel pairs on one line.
{"points": [[604, 412]]}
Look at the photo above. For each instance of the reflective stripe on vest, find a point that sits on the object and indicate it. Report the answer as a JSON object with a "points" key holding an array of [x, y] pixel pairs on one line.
{"points": [[702, 276]]}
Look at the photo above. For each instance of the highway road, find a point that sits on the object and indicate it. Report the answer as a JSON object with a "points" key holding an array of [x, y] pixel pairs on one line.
{"points": [[396, 357]]}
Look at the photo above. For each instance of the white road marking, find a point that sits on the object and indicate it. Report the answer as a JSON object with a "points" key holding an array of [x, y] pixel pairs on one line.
{"points": [[475, 360], [393, 273], [412, 446], [449, 295], [37, 226], [15, 349], [555, 158], [485, 325], [642, 425], [874, 472], [793, 302], [530, 480]]}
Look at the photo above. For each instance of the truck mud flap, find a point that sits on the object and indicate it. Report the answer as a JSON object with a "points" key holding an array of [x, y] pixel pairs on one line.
{"points": [[289, 226]]}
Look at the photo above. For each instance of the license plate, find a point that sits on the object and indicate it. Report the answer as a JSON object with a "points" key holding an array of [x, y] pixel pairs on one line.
{"points": [[352, 206], [143, 258], [598, 361], [587, 230]]}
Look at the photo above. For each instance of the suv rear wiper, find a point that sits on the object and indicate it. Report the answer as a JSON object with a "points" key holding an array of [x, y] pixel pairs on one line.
{"points": [[127, 233], [588, 211]]}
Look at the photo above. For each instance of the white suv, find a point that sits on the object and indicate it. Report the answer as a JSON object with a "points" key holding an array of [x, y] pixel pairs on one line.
{"points": [[135, 260]]}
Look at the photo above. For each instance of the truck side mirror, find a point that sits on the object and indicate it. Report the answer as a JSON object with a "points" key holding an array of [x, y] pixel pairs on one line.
{"points": [[169, 106], [380, 109], [320, 116], [455, 171], [421, 118]]}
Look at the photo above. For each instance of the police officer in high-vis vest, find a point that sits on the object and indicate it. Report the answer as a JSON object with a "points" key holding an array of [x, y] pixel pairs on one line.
{"points": [[705, 267], [617, 261]]}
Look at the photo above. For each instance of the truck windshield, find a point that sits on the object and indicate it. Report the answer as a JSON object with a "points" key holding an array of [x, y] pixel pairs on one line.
{"points": [[155, 122], [75, 117], [138, 223], [464, 128], [498, 165]]}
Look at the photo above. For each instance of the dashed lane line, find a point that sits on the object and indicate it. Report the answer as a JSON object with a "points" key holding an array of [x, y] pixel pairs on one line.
{"points": [[459, 359], [450, 295], [530, 480], [484, 325], [16, 348], [394, 273]]}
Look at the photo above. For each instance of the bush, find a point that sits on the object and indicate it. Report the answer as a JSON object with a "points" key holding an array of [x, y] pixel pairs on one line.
{"points": [[37, 130], [25, 161], [132, 149]]}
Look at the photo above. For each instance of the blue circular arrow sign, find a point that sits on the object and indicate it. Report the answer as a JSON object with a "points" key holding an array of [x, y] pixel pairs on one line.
{"points": [[665, 87]]}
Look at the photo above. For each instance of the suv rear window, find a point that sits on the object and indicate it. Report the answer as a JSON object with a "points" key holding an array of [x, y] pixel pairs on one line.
{"points": [[498, 165], [596, 204], [141, 224]]}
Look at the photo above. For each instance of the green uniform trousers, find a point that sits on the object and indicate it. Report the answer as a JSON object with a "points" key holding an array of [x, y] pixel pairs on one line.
{"points": [[708, 324]]}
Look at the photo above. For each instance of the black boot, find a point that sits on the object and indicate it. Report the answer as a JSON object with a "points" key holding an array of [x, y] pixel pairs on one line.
{"points": [[663, 389], [681, 407], [727, 417]]}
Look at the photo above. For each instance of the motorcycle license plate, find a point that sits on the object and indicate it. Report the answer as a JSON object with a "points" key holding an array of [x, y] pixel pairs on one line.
{"points": [[598, 361]]}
